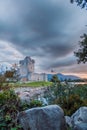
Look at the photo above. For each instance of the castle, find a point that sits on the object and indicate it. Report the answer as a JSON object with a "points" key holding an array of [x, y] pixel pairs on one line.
{"points": [[27, 71]]}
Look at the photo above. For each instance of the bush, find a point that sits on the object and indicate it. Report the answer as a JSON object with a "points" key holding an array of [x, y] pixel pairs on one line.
{"points": [[2, 80], [10, 106], [55, 79], [68, 97], [71, 104]]}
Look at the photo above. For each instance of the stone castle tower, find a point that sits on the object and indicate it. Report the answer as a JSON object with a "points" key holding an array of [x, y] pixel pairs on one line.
{"points": [[27, 71], [26, 68]]}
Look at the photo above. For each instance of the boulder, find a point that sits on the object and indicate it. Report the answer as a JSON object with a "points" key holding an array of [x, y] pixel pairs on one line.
{"points": [[79, 119], [80, 116], [82, 126], [43, 118]]}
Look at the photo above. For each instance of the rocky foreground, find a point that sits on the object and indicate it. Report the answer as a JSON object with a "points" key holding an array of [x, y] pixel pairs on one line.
{"points": [[52, 118], [28, 93]]}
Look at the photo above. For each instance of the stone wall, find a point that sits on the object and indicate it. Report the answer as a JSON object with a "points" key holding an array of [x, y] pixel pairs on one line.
{"points": [[38, 77]]}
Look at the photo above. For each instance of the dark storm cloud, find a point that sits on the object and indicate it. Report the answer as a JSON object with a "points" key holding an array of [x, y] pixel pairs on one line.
{"points": [[41, 28], [35, 21], [59, 62], [58, 50]]}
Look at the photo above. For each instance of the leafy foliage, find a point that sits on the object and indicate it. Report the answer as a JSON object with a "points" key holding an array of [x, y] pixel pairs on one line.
{"points": [[12, 75], [82, 52], [71, 103], [9, 74], [10, 106], [55, 79], [69, 97], [81, 3]]}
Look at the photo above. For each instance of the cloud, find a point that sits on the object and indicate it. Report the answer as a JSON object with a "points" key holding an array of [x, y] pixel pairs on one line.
{"points": [[47, 30], [8, 53]]}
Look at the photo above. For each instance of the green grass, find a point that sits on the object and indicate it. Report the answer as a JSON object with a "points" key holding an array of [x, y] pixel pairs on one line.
{"points": [[31, 84]]}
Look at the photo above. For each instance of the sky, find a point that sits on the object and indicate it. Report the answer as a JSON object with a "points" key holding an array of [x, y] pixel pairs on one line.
{"points": [[46, 30]]}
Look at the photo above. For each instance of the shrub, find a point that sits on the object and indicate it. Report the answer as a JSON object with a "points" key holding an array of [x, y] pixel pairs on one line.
{"points": [[55, 79], [10, 106], [2, 80], [68, 97], [71, 104]]}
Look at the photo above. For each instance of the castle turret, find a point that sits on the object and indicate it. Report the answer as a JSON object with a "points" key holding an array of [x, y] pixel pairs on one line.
{"points": [[26, 68]]}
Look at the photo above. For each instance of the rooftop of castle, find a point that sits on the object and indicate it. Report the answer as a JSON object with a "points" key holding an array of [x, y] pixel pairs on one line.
{"points": [[27, 59]]}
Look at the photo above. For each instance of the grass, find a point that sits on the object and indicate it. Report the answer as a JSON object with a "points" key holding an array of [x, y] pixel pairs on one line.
{"points": [[31, 84]]}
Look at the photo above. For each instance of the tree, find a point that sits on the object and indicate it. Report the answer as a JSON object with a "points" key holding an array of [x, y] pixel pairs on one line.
{"points": [[82, 51], [55, 78], [9, 74], [81, 3], [2, 80], [12, 75]]}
